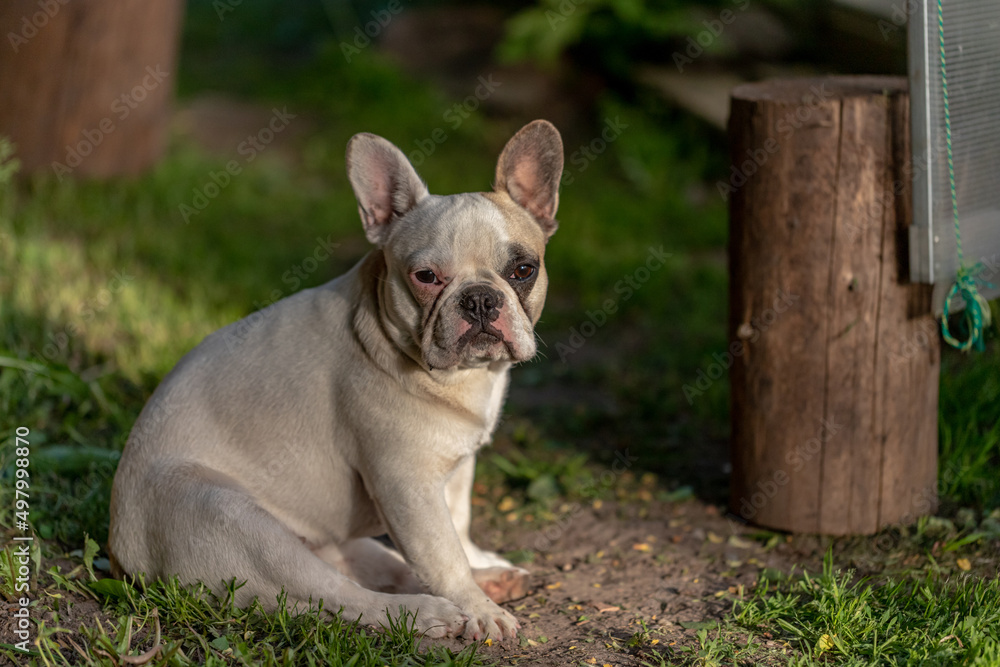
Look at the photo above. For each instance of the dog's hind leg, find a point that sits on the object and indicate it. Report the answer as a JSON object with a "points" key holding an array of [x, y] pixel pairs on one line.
{"points": [[373, 565], [201, 526]]}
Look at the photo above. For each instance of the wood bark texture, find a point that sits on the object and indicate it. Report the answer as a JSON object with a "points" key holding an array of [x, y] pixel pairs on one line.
{"points": [[836, 356], [87, 84]]}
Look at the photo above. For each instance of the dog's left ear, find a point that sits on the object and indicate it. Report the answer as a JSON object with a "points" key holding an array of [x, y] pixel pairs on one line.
{"points": [[384, 182], [529, 170]]}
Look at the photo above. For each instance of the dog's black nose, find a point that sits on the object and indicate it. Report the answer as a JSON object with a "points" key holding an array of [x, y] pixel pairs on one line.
{"points": [[482, 303]]}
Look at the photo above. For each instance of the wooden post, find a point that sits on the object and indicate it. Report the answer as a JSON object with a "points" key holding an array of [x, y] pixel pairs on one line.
{"points": [[87, 84], [836, 356]]}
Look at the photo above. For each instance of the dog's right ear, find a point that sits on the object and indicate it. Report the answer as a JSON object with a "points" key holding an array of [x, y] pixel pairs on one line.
{"points": [[384, 182]]}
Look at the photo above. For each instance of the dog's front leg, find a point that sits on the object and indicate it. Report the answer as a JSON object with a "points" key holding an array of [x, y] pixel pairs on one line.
{"points": [[459, 494], [498, 578], [417, 517]]}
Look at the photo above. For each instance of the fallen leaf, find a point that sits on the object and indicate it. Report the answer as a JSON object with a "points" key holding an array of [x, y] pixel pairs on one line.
{"points": [[713, 538], [554, 586], [826, 642], [740, 543], [642, 546], [964, 564], [488, 642], [507, 504]]}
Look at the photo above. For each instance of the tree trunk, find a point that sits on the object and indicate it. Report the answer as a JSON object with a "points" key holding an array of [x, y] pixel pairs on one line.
{"points": [[836, 355], [86, 84]]}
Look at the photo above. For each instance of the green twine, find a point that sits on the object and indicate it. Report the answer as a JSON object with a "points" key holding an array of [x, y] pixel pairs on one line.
{"points": [[977, 309]]}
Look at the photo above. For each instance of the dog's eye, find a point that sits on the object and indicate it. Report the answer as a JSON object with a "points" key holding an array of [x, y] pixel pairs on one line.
{"points": [[427, 277], [523, 272]]}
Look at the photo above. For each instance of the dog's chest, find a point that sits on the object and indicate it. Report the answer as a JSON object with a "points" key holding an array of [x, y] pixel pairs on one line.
{"points": [[481, 400], [492, 407]]}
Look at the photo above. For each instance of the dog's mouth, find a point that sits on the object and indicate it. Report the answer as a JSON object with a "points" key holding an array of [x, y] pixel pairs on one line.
{"points": [[467, 339], [480, 336]]}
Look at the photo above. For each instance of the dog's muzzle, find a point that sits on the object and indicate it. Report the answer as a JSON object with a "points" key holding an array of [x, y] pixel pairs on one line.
{"points": [[480, 306]]}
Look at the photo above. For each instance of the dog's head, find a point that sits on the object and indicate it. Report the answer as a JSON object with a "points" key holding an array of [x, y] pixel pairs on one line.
{"points": [[465, 280]]}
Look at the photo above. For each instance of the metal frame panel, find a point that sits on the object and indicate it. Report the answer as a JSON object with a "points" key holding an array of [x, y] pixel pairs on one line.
{"points": [[972, 48]]}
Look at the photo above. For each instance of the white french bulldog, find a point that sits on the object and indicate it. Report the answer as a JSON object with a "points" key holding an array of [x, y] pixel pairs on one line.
{"points": [[279, 447]]}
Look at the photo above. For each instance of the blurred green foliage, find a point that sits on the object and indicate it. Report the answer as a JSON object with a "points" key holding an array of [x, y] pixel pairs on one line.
{"points": [[614, 36]]}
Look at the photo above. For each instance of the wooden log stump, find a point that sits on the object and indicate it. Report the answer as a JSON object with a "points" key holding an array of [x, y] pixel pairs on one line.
{"points": [[836, 356], [87, 84]]}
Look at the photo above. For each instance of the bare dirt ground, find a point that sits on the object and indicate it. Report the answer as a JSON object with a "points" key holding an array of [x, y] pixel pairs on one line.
{"points": [[615, 584]]}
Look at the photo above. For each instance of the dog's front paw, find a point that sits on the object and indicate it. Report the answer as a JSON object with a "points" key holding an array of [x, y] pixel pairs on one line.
{"points": [[436, 616], [487, 620], [503, 584]]}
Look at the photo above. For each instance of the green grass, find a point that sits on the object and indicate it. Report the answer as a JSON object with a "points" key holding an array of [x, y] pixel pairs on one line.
{"points": [[104, 287], [970, 428], [189, 626], [836, 617], [925, 620]]}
